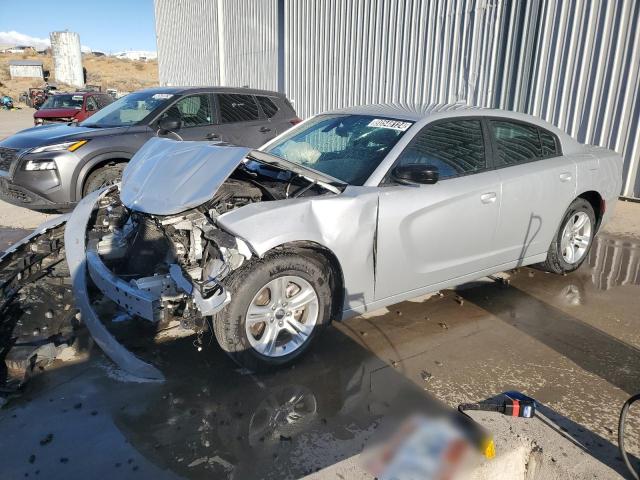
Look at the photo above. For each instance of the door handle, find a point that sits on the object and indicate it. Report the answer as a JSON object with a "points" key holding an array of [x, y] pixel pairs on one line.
{"points": [[489, 197], [565, 177], [265, 129], [212, 136]]}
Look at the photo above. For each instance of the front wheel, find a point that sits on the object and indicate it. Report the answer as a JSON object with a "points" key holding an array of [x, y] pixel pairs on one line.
{"points": [[573, 239], [278, 306], [103, 177]]}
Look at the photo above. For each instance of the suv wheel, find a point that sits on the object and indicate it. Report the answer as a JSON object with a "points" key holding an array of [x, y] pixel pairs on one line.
{"points": [[102, 177], [278, 306], [573, 240]]}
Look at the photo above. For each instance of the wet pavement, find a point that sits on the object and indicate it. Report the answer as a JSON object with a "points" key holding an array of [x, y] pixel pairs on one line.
{"points": [[572, 342]]}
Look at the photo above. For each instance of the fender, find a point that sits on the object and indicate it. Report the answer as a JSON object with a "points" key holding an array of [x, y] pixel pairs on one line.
{"points": [[80, 174]]}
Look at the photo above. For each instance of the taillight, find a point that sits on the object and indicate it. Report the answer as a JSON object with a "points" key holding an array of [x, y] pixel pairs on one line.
{"points": [[295, 121]]}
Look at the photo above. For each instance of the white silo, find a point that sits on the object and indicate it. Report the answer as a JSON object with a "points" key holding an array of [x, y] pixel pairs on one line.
{"points": [[67, 58]]}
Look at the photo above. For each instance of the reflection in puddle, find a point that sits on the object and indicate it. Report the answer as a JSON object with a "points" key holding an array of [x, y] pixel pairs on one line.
{"points": [[614, 262]]}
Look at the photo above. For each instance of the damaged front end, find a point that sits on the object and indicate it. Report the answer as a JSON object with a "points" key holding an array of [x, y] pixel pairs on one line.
{"points": [[153, 246]]}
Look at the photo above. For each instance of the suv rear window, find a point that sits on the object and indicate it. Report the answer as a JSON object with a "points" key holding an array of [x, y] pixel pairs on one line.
{"points": [[237, 108], [268, 106]]}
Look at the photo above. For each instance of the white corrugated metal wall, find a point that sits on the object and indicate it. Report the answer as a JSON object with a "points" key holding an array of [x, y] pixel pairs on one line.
{"points": [[575, 63]]}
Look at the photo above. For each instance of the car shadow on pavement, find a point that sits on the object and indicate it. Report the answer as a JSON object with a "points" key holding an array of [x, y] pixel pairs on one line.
{"points": [[209, 419]]}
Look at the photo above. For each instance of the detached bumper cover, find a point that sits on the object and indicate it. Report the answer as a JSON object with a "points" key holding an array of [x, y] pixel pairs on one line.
{"points": [[75, 247]]}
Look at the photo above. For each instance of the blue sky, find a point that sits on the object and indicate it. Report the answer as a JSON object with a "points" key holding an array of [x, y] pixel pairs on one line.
{"points": [[104, 25]]}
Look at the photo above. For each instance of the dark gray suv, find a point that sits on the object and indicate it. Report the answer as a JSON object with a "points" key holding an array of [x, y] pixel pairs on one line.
{"points": [[52, 167]]}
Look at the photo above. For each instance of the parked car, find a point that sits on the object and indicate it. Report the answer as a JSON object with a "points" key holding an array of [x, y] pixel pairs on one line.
{"points": [[53, 166], [348, 212], [70, 107]]}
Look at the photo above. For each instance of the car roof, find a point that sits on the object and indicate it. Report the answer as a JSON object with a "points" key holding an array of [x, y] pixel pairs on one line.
{"points": [[212, 89], [426, 113]]}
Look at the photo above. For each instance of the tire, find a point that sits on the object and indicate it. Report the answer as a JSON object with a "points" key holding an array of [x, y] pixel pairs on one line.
{"points": [[558, 261], [247, 287], [102, 177]]}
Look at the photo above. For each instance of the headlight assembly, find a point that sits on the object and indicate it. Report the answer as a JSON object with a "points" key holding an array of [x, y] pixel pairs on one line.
{"points": [[33, 165], [70, 146]]}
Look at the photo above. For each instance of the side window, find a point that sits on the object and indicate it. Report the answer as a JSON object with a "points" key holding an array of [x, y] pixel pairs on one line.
{"points": [[549, 144], [194, 110], [91, 105], [237, 108], [455, 147], [268, 106], [517, 142]]}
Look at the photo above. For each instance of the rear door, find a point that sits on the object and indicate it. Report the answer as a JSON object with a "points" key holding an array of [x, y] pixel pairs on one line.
{"points": [[430, 234], [537, 182], [197, 115], [241, 120]]}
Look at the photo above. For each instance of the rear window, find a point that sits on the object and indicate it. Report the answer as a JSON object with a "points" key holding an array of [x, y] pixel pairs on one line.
{"points": [[237, 108], [549, 144], [517, 142], [268, 106]]}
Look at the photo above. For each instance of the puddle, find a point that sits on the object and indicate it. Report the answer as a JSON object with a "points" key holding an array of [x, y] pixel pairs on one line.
{"points": [[614, 262]]}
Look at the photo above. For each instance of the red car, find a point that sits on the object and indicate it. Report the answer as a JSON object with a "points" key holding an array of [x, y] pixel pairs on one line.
{"points": [[70, 107]]}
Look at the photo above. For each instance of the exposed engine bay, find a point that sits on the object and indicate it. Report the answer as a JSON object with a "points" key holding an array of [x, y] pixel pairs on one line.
{"points": [[172, 267]]}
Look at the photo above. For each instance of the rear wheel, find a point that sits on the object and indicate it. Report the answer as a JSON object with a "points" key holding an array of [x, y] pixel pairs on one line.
{"points": [[573, 239], [278, 306], [103, 177]]}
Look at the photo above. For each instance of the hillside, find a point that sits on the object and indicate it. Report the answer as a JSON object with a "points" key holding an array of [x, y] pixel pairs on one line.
{"points": [[108, 72]]}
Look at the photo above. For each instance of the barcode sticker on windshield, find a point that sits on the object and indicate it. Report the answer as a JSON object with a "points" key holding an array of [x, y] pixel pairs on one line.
{"points": [[76, 97], [162, 96], [393, 124]]}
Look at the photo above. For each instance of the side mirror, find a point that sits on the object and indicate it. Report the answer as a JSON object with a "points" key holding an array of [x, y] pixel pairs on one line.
{"points": [[415, 174], [169, 124], [90, 107]]}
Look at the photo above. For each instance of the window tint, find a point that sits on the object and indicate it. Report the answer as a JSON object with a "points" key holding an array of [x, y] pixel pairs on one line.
{"points": [[517, 143], [194, 110], [549, 146], [237, 108], [456, 148], [268, 107]]}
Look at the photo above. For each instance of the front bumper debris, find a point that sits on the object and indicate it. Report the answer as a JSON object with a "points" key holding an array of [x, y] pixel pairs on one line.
{"points": [[74, 238], [153, 296]]}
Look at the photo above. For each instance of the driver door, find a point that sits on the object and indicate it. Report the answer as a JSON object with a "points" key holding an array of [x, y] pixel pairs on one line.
{"points": [[432, 234], [196, 113]]}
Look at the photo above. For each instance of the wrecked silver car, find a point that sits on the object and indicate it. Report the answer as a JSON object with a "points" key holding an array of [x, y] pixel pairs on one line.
{"points": [[345, 213]]}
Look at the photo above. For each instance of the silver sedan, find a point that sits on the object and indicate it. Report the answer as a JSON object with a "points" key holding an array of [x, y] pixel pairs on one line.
{"points": [[348, 212]]}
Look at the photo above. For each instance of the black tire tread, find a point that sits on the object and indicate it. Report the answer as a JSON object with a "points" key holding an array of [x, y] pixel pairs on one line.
{"points": [[229, 331], [554, 262]]}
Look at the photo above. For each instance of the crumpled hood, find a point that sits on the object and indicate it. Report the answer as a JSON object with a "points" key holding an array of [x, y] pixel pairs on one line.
{"points": [[166, 176]]}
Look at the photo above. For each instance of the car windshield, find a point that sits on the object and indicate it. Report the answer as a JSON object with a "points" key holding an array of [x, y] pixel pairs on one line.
{"points": [[63, 101], [128, 110], [346, 147]]}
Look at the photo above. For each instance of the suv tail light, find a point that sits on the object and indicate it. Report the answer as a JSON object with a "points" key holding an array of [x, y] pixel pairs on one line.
{"points": [[295, 121]]}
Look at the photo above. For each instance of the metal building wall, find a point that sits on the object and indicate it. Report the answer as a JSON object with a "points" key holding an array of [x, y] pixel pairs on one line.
{"points": [[575, 63], [250, 43], [187, 41]]}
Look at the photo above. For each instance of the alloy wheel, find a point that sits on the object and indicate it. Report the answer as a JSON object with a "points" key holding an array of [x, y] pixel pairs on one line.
{"points": [[576, 237], [282, 316]]}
